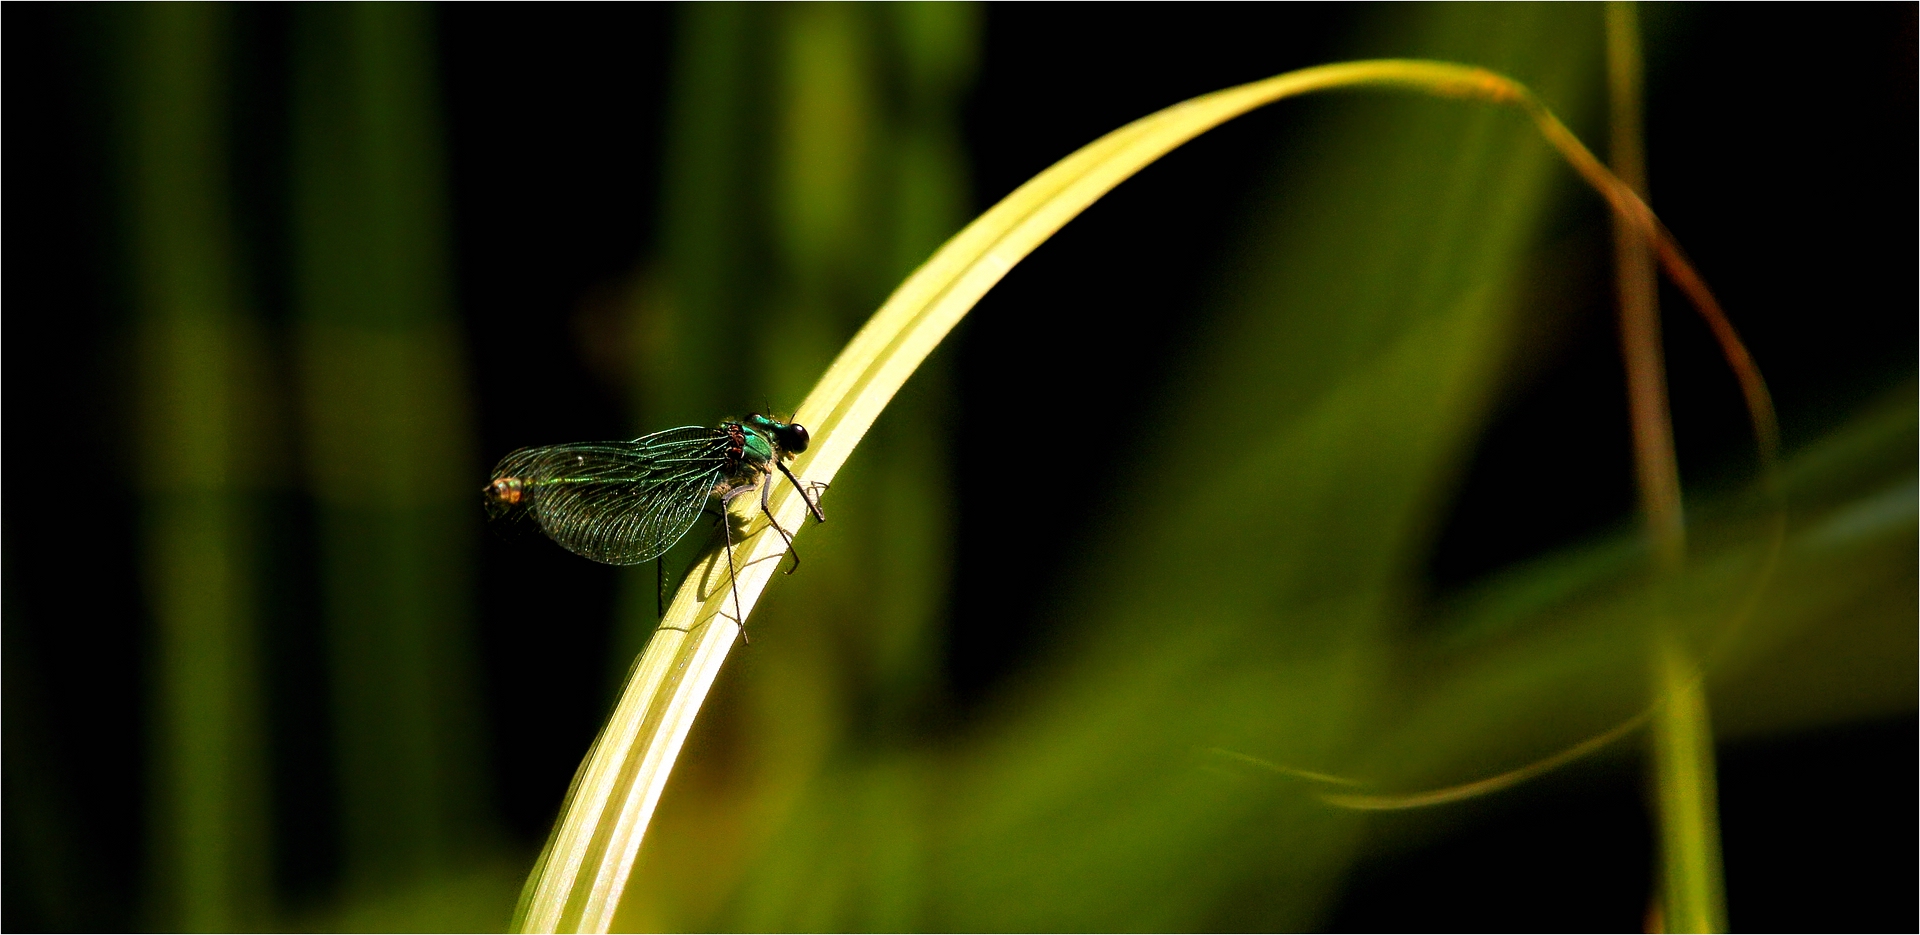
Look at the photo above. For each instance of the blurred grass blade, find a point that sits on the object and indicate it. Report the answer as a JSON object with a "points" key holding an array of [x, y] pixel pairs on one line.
{"points": [[577, 883], [1470, 790], [210, 824], [1657, 471], [1564, 638]]}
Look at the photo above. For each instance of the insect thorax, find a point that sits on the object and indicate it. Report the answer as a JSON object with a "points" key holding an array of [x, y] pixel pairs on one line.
{"points": [[750, 455], [748, 448]]}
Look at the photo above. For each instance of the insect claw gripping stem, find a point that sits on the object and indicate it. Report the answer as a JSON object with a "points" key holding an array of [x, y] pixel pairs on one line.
{"points": [[812, 499]]}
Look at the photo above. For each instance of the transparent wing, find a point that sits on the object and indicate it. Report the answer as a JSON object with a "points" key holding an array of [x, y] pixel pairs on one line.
{"points": [[621, 503]]}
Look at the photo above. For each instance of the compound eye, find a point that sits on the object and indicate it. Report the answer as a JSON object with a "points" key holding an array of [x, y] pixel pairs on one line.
{"points": [[793, 437]]}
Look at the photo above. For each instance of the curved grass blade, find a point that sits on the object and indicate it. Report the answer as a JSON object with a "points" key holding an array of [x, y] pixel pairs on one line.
{"points": [[577, 883]]}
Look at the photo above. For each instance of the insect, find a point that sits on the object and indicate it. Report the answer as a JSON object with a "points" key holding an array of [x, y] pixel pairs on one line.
{"points": [[624, 503]]}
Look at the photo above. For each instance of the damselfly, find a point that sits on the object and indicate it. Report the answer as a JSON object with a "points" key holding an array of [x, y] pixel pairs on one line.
{"points": [[624, 503]]}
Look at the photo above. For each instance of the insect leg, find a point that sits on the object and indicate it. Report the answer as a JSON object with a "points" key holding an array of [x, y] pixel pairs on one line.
{"points": [[813, 505], [764, 488], [733, 580]]}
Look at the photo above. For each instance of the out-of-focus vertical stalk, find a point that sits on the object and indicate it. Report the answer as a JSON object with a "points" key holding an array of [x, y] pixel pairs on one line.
{"points": [[862, 191], [936, 46], [209, 846], [705, 229], [1690, 895], [388, 442], [1656, 468]]}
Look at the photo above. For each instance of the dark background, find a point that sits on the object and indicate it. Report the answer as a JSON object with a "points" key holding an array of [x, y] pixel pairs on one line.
{"points": [[1802, 117]]}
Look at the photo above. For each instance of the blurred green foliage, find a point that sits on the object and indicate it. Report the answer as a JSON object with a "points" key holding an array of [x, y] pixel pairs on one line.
{"points": [[388, 441], [382, 416], [1262, 593]]}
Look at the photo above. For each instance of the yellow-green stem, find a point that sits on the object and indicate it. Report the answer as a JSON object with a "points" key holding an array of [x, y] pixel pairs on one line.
{"points": [[1692, 897]]}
